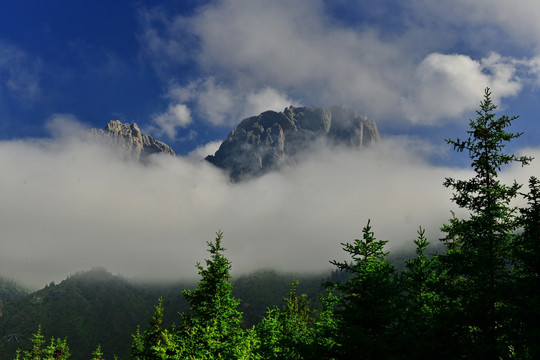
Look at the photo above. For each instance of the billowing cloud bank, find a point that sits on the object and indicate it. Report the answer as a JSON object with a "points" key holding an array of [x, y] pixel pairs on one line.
{"points": [[404, 68], [69, 205]]}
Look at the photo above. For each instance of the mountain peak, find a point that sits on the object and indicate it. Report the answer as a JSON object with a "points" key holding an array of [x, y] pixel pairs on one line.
{"points": [[129, 141], [266, 142]]}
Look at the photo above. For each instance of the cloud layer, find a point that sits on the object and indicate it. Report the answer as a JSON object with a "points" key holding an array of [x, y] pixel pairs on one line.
{"points": [[447, 86], [403, 69], [69, 205]]}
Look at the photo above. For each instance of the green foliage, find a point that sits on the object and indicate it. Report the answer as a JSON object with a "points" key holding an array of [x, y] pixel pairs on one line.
{"points": [[528, 262], [97, 307], [421, 278], [287, 333], [421, 337], [526, 303], [56, 350], [369, 301], [97, 354], [265, 289], [211, 330], [326, 329], [90, 308], [152, 344], [295, 331], [479, 247], [213, 294]]}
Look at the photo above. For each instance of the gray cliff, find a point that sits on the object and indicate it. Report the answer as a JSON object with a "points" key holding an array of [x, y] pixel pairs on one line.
{"points": [[128, 141], [272, 139]]}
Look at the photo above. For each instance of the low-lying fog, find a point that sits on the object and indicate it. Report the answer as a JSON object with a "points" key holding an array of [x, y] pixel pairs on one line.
{"points": [[68, 205]]}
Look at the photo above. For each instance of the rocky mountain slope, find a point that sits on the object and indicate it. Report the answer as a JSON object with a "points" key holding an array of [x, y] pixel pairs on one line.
{"points": [[272, 139], [129, 141]]}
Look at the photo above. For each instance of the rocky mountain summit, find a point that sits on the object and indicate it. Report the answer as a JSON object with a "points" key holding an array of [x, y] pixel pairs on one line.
{"points": [[129, 141], [272, 139]]}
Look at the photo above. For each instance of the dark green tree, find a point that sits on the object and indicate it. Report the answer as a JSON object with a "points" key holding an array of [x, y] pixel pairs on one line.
{"points": [[295, 331], [287, 333], [368, 301], [420, 282], [212, 328], [479, 247], [527, 271], [326, 327], [155, 342]]}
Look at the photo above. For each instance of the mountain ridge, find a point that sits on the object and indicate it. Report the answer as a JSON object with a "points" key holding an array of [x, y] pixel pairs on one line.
{"points": [[271, 140], [129, 141]]}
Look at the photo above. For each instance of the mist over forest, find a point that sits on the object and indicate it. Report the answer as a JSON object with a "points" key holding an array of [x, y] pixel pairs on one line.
{"points": [[70, 204], [170, 169]]}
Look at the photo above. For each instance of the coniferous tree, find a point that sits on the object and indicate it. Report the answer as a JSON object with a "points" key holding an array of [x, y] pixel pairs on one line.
{"points": [[326, 327], [35, 352], [421, 337], [287, 333], [56, 350], [479, 247], [527, 271], [154, 343], [97, 354], [369, 300], [295, 331], [212, 328]]}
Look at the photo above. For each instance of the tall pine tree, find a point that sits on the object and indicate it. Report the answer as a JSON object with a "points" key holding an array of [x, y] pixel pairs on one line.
{"points": [[527, 271], [421, 336], [212, 328], [368, 301], [479, 247]]}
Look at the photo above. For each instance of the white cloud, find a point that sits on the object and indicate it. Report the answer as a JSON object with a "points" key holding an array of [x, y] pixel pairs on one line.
{"points": [[485, 21], [216, 102], [18, 73], [64, 126], [177, 115], [531, 68], [221, 105], [447, 86], [245, 47], [69, 205], [299, 51], [212, 101], [266, 99], [203, 151]]}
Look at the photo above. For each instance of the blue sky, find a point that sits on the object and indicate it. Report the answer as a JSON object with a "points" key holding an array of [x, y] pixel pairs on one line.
{"points": [[189, 71]]}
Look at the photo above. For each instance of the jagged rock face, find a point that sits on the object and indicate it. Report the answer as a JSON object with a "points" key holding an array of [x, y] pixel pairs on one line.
{"points": [[270, 140], [128, 141]]}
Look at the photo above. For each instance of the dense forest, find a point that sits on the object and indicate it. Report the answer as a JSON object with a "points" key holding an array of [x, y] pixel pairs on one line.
{"points": [[476, 298]]}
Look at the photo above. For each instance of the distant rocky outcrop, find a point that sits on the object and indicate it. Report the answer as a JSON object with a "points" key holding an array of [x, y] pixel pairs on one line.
{"points": [[129, 141], [272, 139]]}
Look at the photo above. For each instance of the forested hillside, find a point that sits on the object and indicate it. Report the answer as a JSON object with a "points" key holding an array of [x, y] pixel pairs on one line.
{"points": [[10, 290], [97, 307]]}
